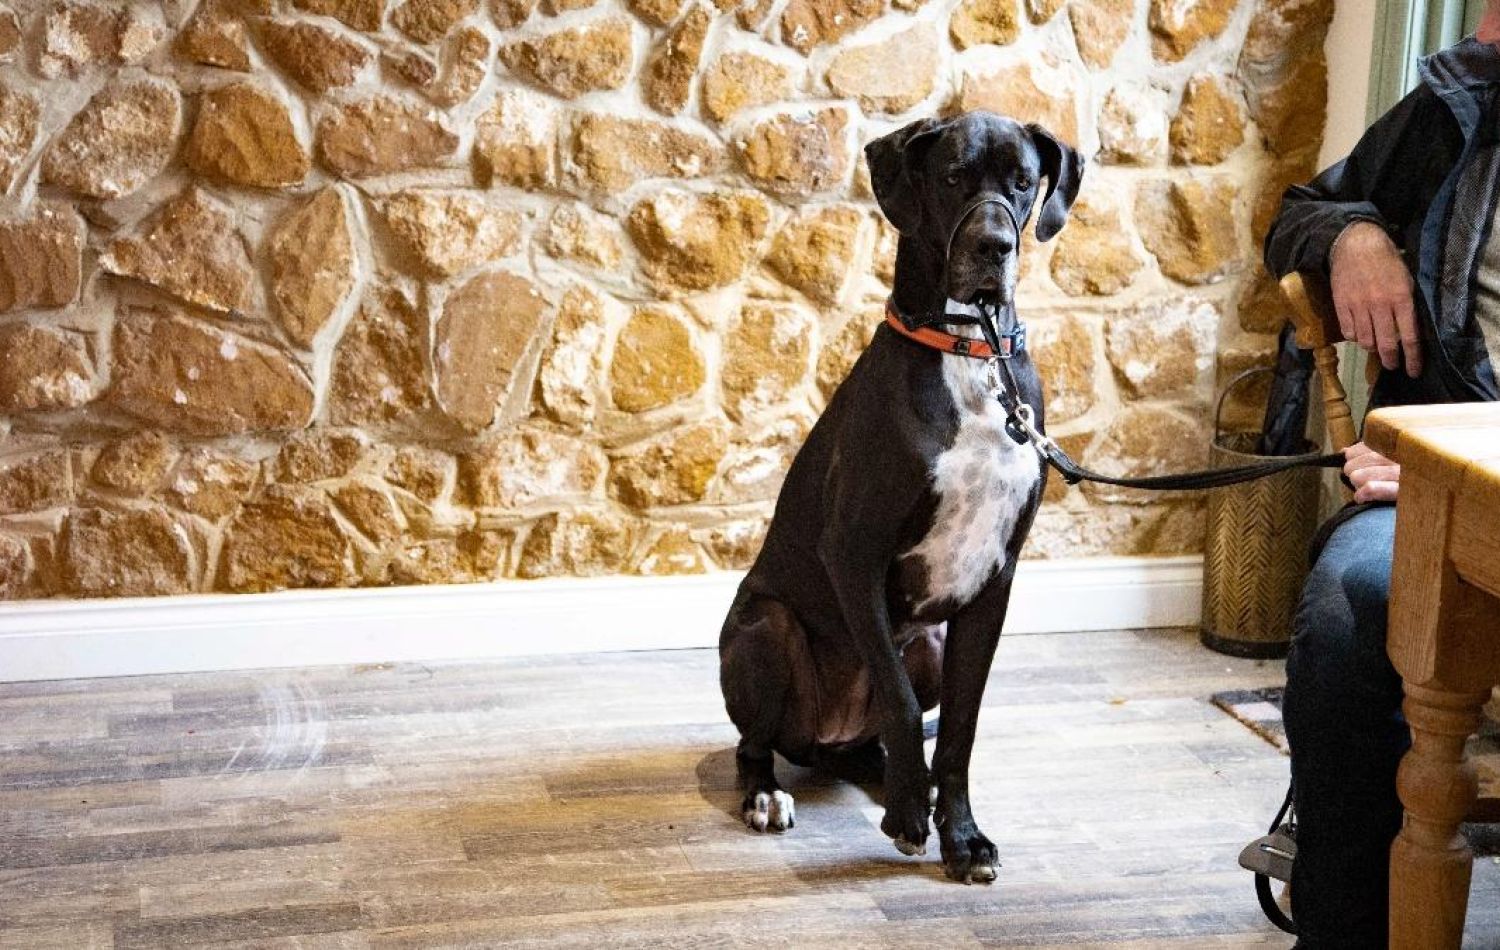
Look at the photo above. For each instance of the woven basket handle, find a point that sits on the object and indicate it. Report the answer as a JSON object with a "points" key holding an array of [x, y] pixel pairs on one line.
{"points": [[1234, 384]]}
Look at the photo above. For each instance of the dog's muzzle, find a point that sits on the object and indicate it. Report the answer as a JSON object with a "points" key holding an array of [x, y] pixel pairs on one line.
{"points": [[983, 200], [1005, 343], [974, 267]]}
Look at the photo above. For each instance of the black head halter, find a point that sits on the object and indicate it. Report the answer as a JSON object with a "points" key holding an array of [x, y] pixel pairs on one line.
{"points": [[1009, 341], [978, 203]]}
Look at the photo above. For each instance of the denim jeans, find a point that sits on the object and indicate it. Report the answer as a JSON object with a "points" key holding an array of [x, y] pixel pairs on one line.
{"points": [[1347, 735]]}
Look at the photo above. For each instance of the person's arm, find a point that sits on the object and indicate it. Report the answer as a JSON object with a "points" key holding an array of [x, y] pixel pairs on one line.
{"points": [[1371, 184], [1346, 223]]}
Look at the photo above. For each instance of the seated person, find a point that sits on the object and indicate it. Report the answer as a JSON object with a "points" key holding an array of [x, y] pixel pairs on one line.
{"points": [[1404, 231]]}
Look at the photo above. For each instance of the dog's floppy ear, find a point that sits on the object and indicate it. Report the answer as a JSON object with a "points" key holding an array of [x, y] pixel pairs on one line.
{"points": [[892, 158], [1063, 167]]}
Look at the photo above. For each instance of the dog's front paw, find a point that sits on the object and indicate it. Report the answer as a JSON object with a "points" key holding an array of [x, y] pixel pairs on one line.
{"points": [[969, 857], [769, 811], [906, 824]]}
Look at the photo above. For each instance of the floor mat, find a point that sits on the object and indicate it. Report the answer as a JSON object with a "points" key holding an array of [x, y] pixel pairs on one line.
{"points": [[1260, 712]]}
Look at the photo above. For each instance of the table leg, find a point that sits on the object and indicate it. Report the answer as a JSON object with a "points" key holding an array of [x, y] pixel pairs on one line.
{"points": [[1430, 860]]}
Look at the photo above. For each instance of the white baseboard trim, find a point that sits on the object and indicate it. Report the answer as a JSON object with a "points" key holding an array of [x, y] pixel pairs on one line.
{"points": [[42, 640]]}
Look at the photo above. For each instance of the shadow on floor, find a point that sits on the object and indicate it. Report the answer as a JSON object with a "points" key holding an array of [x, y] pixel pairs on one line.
{"points": [[718, 783], [834, 843]]}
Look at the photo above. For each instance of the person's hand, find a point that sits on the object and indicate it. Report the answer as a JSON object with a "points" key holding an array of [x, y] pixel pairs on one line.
{"points": [[1375, 477], [1372, 292]]}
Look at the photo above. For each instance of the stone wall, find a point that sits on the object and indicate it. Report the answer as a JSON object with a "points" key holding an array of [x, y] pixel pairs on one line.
{"points": [[334, 292]]}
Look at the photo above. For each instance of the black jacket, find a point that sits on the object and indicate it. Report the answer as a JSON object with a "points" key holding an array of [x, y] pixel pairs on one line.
{"points": [[1431, 162]]}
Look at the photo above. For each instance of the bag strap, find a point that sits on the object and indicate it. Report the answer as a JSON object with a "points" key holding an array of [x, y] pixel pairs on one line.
{"points": [[1263, 894]]}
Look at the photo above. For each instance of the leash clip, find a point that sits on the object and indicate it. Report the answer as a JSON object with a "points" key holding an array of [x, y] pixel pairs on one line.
{"points": [[992, 377], [1028, 424], [1025, 420]]}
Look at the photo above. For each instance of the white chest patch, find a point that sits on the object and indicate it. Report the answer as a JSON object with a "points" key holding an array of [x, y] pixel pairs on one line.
{"points": [[982, 482]]}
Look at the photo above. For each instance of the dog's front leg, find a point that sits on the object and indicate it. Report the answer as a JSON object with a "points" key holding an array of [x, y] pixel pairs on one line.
{"points": [[861, 593], [973, 634]]}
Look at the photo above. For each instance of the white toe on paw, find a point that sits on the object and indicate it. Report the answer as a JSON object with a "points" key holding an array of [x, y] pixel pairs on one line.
{"points": [[982, 873], [770, 811], [758, 811], [783, 812]]}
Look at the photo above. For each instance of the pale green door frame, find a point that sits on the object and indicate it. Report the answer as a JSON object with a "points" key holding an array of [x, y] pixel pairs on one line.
{"points": [[1473, 10], [1405, 31]]}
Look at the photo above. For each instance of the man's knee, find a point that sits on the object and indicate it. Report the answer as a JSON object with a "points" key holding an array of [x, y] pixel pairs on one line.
{"points": [[1338, 650]]}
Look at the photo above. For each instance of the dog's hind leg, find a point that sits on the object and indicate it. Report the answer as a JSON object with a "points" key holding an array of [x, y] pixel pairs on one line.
{"points": [[761, 642], [766, 805]]}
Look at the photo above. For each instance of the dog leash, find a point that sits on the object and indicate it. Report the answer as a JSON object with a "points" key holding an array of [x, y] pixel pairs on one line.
{"points": [[1020, 422]]}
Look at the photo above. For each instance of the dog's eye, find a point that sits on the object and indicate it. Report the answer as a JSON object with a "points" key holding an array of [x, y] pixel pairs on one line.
{"points": [[1023, 184], [952, 179]]}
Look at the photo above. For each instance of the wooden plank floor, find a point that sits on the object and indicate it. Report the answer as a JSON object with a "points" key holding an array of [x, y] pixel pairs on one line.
{"points": [[589, 802]]}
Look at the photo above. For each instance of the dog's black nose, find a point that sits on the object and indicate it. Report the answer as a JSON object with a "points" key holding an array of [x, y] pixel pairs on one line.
{"points": [[992, 244]]}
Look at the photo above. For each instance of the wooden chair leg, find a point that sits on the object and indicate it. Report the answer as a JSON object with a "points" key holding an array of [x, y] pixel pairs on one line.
{"points": [[1430, 861]]}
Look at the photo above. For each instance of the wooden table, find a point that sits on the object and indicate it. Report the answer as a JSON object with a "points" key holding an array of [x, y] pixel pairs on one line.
{"points": [[1445, 641]]}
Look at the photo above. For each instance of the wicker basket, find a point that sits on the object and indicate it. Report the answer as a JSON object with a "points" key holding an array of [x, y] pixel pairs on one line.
{"points": [[1255, 553]]}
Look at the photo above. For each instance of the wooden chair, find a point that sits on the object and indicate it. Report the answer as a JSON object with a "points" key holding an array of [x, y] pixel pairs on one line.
{"points": [[1318, 330]]}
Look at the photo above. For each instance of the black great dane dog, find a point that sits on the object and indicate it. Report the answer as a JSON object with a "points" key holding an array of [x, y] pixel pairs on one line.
{"points": [[883, 582]]}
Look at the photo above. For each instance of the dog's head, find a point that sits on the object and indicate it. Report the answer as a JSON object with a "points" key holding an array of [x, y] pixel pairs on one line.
{"points": [[967, 186]]}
